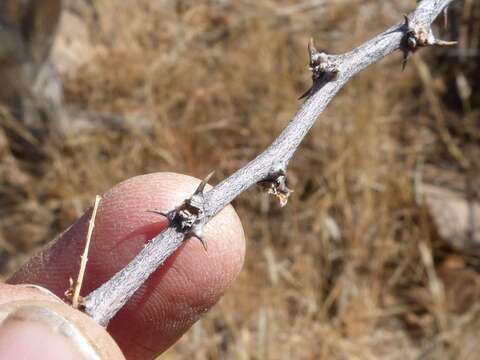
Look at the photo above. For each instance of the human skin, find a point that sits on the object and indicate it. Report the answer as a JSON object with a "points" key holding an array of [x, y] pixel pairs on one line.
{"points": [[171, 300]]}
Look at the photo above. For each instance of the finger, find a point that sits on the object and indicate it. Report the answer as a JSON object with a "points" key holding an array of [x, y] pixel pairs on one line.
{"points": [[35, 324], [189, 283]]}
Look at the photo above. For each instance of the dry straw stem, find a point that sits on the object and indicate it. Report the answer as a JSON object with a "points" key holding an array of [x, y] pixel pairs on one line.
{"points": [[84, 258], [329, 74]]}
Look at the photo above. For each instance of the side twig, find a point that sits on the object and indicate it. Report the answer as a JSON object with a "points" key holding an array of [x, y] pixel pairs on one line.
{"points": [[329, 74]]}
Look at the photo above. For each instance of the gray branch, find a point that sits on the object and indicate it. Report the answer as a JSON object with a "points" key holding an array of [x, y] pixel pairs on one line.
{"points": [[329, 74]]}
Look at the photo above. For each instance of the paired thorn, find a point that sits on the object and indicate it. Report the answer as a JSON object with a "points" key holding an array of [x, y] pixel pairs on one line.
{"points": [[418, 36], [321, 66], [189, 217]]}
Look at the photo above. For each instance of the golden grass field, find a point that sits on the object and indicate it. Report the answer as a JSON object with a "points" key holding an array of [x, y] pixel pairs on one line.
{"points": [[353, 267]]}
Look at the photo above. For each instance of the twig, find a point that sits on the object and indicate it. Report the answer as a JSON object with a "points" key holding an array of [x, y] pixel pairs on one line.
{"points": [[84, 258], [329, 74]]}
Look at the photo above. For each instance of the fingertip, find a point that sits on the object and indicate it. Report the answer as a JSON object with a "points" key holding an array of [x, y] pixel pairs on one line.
{"points": [[35, 324], [191, 281]]}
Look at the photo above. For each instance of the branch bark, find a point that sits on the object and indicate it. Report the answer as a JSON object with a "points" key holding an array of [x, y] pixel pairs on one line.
{"points": [[330, 74]]}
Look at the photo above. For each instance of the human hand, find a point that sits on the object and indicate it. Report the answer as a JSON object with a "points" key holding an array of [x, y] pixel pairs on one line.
{"points": [[172, 299]]}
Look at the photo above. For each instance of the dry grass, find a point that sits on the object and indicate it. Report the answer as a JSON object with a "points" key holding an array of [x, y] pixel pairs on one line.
{"points": [[352, 267]]}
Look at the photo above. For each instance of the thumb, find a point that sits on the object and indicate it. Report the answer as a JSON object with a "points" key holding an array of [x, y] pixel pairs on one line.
{"points": [[34, 324]]}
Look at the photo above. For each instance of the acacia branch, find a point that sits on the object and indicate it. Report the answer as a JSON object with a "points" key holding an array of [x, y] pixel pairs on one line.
{"points": [[330, 73]]}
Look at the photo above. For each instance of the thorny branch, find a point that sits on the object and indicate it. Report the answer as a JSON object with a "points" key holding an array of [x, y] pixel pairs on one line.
{"points": [[329, 74]]}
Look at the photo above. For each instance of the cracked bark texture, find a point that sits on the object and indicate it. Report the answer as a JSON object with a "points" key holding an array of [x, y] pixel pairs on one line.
{"points": [[103, 303]]}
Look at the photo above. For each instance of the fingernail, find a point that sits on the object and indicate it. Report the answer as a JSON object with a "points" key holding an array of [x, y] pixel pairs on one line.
{"points": [[30, 331]]}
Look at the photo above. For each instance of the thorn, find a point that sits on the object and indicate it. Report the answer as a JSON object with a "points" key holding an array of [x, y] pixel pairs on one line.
{"points": [[445, 43], [203, 241], [445, 18], [204, 182], [311, 50], [409, 42], [159, 212], [306, 93], [198, 233], [321, 66], [406, 56], [407, 21]]}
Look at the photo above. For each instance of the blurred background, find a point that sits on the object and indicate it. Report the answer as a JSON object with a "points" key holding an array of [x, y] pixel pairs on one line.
{"points": [[376, 255]]}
